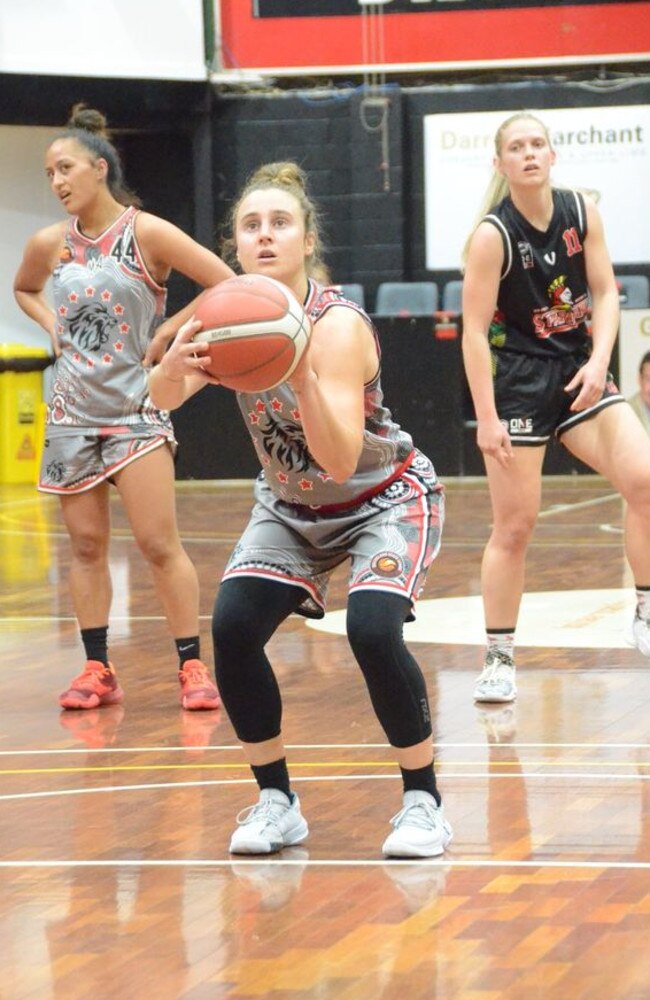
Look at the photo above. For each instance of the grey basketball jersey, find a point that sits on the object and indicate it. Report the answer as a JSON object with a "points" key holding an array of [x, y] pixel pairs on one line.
{"points": [[273, 420], [108, 307]]}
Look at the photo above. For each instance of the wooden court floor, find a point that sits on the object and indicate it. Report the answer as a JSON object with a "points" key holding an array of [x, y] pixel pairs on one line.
{"points": [[115, 879]]}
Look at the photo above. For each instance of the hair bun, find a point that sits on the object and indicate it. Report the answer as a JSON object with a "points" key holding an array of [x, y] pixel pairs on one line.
{"points": [[88, 119], [285, 173]]}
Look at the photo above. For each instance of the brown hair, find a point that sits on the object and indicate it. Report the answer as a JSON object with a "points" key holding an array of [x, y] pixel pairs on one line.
{"points": [[285, 176], [88, 127]]}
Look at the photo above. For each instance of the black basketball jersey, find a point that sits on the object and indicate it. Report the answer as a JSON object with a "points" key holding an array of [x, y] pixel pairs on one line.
{"points": [[543, 298]]}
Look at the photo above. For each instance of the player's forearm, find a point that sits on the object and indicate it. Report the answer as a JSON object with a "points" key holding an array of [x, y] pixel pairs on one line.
{"points": [[478, 369], [605, 317], [334, 442], [36, 306], [167, 391]]}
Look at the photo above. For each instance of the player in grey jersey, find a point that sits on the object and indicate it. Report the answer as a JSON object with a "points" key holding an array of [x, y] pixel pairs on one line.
{"points": [[534, 370], [109, 265], [347, 483]]}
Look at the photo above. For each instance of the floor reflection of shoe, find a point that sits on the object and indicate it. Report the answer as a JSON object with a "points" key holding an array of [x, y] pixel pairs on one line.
{"points": [[96, 727], [96, 685], [497, 680], [420, 884], [275, 881], [198, 690], [641, 635], [197, 730], [500, 722]]}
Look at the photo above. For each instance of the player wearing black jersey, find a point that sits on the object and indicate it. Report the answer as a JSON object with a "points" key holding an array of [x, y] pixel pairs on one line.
{"points": [[536, 258]]}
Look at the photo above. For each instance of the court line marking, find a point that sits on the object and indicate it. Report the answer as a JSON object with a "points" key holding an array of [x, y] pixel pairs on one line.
{"points": [[422, 863], [441, 766], [166, 785], [560, 508], [321, 746]]}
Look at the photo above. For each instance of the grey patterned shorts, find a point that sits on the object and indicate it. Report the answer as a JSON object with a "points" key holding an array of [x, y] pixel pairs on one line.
{"points": [[74, 463], [391, 539]]}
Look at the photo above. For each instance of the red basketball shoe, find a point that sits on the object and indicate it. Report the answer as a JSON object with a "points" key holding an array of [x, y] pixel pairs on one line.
{"points": [[198, 691], [96, 685]]}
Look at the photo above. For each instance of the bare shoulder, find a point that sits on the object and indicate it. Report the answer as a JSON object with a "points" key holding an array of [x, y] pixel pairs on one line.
{"points": [[342, 337], [486, 239], [343, 322], [48, 239], [150, 226], [43, 250], [485, 256], [594, 219]]}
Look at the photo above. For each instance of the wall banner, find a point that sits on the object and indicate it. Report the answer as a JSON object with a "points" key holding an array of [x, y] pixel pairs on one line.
{"points": [[604, 151]]}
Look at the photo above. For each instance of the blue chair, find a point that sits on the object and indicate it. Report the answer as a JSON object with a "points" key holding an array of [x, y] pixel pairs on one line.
{"points": [[355, 293], [406, 298], [452, 296]]}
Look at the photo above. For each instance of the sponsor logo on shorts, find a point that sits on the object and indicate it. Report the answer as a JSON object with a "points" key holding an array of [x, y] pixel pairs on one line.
{"points": [[386, 564], [521, 425]]}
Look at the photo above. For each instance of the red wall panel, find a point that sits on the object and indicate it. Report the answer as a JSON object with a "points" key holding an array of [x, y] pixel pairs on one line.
{"points": [[439, 38]]}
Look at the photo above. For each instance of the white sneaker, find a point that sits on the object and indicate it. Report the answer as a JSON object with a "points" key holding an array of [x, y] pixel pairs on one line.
{"points": [[420, 828], [497, 681], [641, 635], [271, 824]]}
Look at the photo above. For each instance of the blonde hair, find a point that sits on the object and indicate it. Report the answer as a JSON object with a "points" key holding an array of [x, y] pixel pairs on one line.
{"points": [[285, 176], [498, 187]]}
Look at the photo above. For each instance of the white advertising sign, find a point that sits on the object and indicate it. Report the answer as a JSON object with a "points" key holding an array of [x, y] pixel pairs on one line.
{"points": [[148, 39], [601, 150], [633, 342]]}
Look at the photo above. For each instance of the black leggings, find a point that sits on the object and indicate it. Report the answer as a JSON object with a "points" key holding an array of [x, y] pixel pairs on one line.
{"points": [[246, 614]]}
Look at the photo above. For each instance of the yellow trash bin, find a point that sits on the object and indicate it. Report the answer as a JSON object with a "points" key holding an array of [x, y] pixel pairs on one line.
{"points": [[21, 411]]}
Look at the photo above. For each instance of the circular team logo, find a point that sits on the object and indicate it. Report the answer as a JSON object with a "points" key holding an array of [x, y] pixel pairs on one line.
{"points": [[396, 492], [386, 564]]}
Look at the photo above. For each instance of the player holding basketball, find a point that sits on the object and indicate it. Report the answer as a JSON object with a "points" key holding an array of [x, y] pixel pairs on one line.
{"points": [[534, 370], [340, 480], [109, 264]]}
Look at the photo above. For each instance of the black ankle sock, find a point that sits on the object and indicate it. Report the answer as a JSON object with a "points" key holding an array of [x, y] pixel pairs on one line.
{"points": [[273, 775], [95, 642], [421, 779], [188, 649]]}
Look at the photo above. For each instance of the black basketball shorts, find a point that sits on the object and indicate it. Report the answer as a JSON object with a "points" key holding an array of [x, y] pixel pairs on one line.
{"points": [[531, 399]]}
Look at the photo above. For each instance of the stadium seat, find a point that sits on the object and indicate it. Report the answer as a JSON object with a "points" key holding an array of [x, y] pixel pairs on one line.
{"points": [[452, 295], [633, 291], [355, 293], [406, 298]]}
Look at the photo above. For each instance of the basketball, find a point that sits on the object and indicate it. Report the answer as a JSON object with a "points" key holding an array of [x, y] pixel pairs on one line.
{"points": [[256, 329]]}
